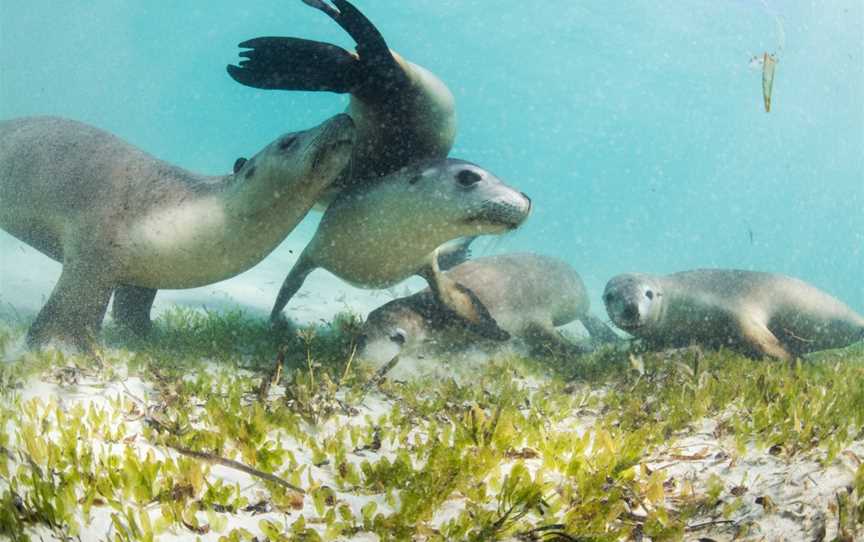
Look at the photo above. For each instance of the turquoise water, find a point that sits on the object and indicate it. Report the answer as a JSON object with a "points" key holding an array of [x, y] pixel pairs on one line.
{"points": [[637, 127]]}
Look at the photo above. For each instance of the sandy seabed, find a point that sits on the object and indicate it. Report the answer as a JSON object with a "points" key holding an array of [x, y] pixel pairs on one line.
{"points": [[802, 492]]}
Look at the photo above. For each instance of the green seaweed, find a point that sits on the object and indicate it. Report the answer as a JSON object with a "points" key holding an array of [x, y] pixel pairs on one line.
{"points": [[562, 458]]}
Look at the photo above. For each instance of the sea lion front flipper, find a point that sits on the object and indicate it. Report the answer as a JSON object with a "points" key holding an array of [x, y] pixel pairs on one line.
{"points": [[290, 286], [131, 308], [296, 64], [599, 331], [455, 252], [461, 301], [761, 340], [74, 310]]}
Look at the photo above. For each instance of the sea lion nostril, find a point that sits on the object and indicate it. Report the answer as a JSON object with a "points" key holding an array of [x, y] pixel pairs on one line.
{"points": [[630, 312]]}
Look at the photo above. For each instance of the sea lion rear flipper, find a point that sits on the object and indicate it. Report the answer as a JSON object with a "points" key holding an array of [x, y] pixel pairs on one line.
{"points": [[761, 340], [290, 286], [296, 64], [599, 331], [131, 308], [544, 339], [463, 302], [455, 252], [371, 46]]}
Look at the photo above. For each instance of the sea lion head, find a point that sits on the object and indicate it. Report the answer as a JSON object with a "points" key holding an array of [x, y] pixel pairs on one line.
{"points": [[633, 301], [465, 198], [391, 329], [297, 165]]}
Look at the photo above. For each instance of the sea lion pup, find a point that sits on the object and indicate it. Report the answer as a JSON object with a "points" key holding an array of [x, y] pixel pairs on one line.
{"points": [[759, 314], [403, 112], [115, 216], [377, 236], [529, 295]]}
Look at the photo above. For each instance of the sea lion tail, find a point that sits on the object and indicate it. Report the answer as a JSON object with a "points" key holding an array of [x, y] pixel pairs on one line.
{"points": [[296, 64]]}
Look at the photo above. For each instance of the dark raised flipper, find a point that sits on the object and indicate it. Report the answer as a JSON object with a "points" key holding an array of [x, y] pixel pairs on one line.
{"points": [[299, 64], [296, 64], [371, 46]]}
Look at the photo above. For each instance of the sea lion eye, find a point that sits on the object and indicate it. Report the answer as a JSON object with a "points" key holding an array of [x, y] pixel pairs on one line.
{"points": [[649, 294], [239, 163], [286, 143], [466, 177], [398, 336]]}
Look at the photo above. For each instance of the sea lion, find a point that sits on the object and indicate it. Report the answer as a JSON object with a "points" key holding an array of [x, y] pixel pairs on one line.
{"points": [[116, 217], [374, 237], [403, 112], [529, 295], [758, 314]]}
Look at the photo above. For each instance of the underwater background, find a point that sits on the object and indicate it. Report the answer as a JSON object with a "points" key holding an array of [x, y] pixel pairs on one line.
{"points": [[637, 127]]}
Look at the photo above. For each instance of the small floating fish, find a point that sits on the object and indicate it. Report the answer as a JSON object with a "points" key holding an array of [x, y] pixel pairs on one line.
{"points": [[769, 63]]}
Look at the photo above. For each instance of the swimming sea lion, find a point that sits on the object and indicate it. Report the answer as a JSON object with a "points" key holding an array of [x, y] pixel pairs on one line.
{"points": [[376, 236], [114, 215], [403, 112], [529, 295], [759, 314]]}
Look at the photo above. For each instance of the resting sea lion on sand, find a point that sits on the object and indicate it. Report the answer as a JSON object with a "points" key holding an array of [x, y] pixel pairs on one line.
{"points": [[528, 295], [116, 217], [759, 314]]}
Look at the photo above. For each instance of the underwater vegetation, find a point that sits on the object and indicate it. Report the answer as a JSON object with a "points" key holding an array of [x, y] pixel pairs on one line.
{"points": [[216, 428]]}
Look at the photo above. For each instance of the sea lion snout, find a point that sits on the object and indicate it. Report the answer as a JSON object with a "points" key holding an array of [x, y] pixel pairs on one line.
{"points": [[628, 300], [510, 210], [629, 313], [339, 130], [623, 311], [334, 141]]}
